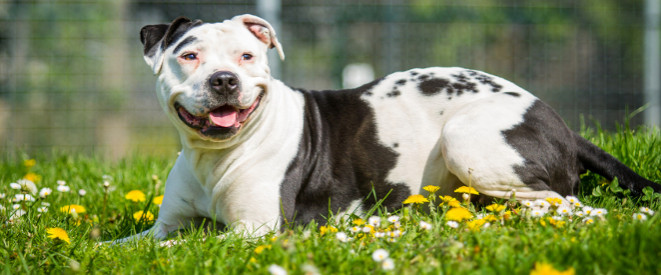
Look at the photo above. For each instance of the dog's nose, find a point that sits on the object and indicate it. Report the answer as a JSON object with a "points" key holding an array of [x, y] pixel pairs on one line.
{"points": [[224, 82]]}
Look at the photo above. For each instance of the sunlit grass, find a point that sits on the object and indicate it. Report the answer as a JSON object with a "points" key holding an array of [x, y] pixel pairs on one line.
{"points": [[56, 230]]}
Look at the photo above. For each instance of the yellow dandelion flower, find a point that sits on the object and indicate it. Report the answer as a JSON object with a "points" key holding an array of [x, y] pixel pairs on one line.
{"points": [[158, 200], [417, 198], [29, 163], [452, 202], [135, 196], [58, 233], [431, 188], [145, 216], [261, 248], [327, 229], [466, 190], [358, 222], [490, 218], [495, 207], [476, 224], [79, 209], [32, 177], [547, 269], [458, 214], [554, 201]]}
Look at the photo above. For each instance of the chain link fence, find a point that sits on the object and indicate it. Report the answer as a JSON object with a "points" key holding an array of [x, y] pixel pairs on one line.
{"points": [[72, 76]]}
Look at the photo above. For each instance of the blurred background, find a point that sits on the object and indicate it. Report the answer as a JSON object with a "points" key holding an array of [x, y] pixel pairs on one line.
{"points": [[72, 76]]}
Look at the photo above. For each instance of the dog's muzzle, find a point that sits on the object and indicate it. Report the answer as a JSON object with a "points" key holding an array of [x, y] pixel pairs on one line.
{"points": [[225, 120]]}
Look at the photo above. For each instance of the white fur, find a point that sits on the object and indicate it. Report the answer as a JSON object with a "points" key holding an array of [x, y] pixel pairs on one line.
{"points": [[439, 141], [437, 149]]}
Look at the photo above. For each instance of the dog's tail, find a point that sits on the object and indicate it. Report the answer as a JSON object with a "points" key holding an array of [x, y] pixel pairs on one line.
{"points": [[597, 160]]}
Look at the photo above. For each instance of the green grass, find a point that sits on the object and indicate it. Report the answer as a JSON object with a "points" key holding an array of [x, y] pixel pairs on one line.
{"points": [[615, 244]]}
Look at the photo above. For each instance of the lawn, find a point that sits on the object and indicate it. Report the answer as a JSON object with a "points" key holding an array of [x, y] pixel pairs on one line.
{"points": [[79, 200]]}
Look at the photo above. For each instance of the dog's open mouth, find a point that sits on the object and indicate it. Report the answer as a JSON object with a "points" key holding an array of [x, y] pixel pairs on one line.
{"points": [[224, 120]]}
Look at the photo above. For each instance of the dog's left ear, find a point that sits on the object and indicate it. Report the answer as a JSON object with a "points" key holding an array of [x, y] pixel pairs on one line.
{"points": [[262, 30], [157, 38]]}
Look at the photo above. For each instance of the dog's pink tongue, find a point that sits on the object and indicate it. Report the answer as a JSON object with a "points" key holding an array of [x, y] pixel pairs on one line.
{"points": [[224, 116]]}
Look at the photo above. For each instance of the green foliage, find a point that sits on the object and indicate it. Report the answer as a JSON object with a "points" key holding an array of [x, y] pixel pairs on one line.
{"points": [[515, 242]]}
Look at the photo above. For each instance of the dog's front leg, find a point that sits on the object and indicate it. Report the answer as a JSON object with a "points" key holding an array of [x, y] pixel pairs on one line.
{"points": [[184, 200]]}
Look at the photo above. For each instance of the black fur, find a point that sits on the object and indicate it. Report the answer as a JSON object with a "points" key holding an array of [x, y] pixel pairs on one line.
{"points": [[549, 150], [165, 34], [556, 156], [597, 160], [183, 43], [339, 159]]}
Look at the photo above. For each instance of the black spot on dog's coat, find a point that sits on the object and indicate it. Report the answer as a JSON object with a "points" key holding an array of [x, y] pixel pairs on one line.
{"points": [[486, 80], [433, 86], [394, 93], [514, 94], [401, 82]]}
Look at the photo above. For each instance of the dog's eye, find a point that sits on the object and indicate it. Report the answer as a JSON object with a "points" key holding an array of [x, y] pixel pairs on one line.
{"points": [[189, 56], [246, 57]]}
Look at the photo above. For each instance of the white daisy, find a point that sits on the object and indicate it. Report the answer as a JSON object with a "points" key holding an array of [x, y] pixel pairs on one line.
{"points": [[61, 182], [42, 209], [393, 219], [647, 211], [379, 234], [528, 203], [275, 269], [587, 210], [452, 224], [23, 197], [63, 188], [538, 212], [388, 264], [342, 237], [395, 234], [44, 192], [82, 192], [355, 229], [380, 255], [425, 225], [572, 199], [599, 212], [25, 185], [639, 217], [374, 221], [14, 185], [563, 211]]}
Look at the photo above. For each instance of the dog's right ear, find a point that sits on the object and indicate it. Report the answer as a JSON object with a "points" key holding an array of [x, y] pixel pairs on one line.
{"points": [[157, 38]]}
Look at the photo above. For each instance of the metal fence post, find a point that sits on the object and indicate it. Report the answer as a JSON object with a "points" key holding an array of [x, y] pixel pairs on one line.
{"points": [[652, 61]]}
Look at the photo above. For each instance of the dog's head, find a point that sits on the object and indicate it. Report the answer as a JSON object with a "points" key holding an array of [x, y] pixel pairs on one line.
{"points": [[211, 76]]}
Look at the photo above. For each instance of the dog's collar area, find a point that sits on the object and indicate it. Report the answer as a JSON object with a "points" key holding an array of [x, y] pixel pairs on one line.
{"points": [[221, 122]]}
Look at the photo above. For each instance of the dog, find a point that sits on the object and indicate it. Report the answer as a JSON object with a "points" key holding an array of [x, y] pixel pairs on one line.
{"points": [[258, 155]]}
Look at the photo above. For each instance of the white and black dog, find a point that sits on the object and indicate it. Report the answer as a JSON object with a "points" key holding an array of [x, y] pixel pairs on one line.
{"points": [[257, 154]]}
